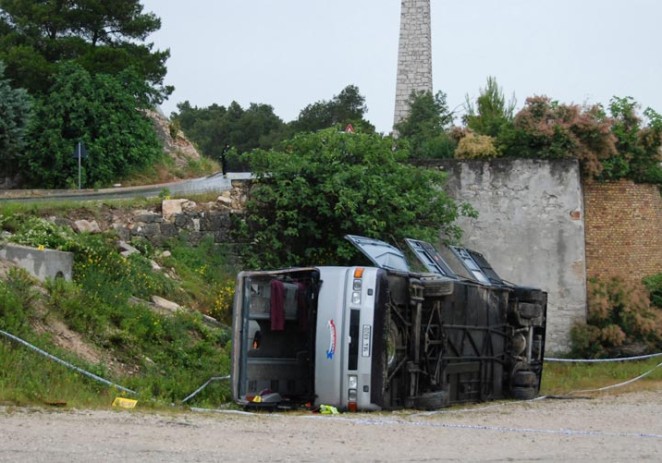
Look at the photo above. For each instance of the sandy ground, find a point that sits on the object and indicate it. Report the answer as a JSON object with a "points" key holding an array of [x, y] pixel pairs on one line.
{"points": [[625, 427]]}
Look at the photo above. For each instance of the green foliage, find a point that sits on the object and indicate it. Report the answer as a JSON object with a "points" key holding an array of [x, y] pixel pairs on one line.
{"points": [[492, 114], [173, 129], [14, 112], [164, 193], [34, 231], [608, 148], [163, 357], [207, 276], [108, 276], [638, 146], [215, 127], [348, 107], [654, 285], [99, 110], [620, 317], [323, 185], [38, 37], [546, 129], [222, 308], [424, 130], [475, 146], [16, 298]]}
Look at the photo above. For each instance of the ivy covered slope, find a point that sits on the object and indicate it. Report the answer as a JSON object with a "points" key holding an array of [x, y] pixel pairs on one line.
{"points": [[104, 322]]}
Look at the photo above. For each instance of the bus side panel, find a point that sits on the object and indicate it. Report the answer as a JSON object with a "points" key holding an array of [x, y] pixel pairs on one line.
{"points": [[238, 336], [363, 339], [329, 354]]}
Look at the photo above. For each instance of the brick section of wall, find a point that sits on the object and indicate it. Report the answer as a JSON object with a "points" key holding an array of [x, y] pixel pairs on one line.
{"points": [[623, 227]]}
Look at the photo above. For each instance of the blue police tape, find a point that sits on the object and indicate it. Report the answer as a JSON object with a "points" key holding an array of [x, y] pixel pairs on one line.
{"points": [[621, 359]]}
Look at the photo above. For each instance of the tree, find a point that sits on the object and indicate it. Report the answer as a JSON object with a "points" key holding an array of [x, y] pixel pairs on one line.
{"points": [[320, 186], [36, 37], [14, 112], [492, 113], [348, 107], [425, 127], [638, 146], [100, 110], [546, 129], [215, 127]]}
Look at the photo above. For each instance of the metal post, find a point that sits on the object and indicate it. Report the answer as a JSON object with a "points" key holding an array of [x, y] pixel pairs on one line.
{"points": [[79, 152]]}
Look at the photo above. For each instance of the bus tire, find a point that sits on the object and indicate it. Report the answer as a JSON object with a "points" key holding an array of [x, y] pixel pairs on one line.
{"points": [[431, 400], [524, 393], [524, 294], [525, 379], [529, 310]]}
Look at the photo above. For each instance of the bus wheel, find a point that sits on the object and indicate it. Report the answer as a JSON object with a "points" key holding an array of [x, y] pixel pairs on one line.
{"points": [[524, 393], [431, 400]]}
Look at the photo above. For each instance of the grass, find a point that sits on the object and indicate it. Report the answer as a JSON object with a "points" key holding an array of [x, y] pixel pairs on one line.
{"points": [[206, 273], [26, 378], [163, 357], [167, 171], [565, 378], [46, 208]]}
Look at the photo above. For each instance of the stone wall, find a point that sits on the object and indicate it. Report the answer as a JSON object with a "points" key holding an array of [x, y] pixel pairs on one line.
{"points": [[531, 228], [186, 219], [181, 218], [623, 230], [414, 54]]}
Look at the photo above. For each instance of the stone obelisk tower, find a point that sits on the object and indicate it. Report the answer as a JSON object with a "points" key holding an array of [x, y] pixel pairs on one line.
{"points": [[414, 54]]}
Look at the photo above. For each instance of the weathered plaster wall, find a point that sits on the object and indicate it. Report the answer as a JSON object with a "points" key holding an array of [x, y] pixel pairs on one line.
{"points": [[531, 228]]}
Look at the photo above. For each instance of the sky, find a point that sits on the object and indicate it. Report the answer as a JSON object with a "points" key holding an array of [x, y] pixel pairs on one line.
{"points": [[291, 53]]}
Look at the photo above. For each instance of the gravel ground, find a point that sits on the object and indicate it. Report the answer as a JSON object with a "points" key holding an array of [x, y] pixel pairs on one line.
{"points": [[609, 428]]}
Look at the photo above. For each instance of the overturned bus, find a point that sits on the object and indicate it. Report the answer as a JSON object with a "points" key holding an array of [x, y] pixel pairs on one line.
{"points": [[384, 336]]}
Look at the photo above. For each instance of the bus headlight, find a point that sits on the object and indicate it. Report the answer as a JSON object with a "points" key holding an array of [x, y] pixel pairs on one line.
{"points": [[356, 298]]}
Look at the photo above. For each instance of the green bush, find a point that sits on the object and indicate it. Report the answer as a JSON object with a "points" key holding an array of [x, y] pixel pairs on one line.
{"points": [[99, 110], [35, 232], [620, 320], [319, 187], [654, 285], [475, 146], [16, 297]]}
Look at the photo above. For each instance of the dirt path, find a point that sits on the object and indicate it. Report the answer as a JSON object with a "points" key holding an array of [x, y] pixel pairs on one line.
{"points": [[625, 427]]}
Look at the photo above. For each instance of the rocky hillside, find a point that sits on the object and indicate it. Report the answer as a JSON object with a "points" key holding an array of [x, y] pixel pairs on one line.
{"points": [[175, 143]]}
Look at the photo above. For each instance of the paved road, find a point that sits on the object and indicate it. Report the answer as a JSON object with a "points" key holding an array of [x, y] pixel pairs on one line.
{"points": [[215, 182], [610, 428]]}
